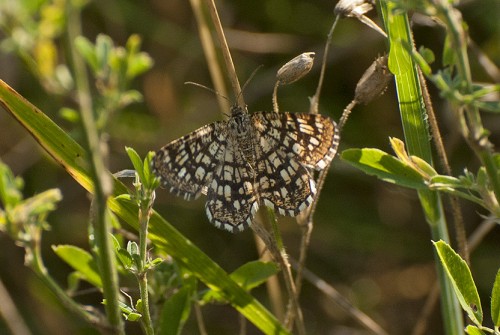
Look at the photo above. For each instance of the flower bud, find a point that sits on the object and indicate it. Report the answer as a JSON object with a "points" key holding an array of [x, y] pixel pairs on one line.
{"points": [[295, 69]]}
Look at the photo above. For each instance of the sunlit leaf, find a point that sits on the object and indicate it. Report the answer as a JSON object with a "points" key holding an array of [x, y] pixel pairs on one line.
{"points": [[81, 261], [461, 278]]}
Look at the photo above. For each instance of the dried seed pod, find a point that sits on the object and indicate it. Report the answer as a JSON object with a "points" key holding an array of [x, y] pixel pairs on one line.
{"points": [[296, 68], [352, 8], [357, 9], [374, 81]]}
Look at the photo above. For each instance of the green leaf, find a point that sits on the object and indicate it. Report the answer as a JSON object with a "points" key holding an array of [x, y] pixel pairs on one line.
{"points": [[384, 166], [81, 261], [473, 330], [152, 181], [87, 51], [10, 187], [175, 312], [461, 278], [248, 276], [163, 235], [252, 274], [128, 312], [136, 162], [125, 258], [495, 301]]}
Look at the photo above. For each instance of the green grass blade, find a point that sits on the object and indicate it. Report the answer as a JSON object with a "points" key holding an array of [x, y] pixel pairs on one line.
{"points": [[73, 158], [417, 138]]}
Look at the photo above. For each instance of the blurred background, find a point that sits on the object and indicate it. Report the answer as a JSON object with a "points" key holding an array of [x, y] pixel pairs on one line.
{"points": [[370, 239]]}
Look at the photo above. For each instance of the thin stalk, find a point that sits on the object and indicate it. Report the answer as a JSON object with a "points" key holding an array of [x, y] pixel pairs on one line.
{"points": [[10, 314], [340, 300], [443, 159], [102, 186], [210, 53], [199, 319], [35, 262], [142, 276], [273, 285], [275, 245], [314, 106], [228, 60]]}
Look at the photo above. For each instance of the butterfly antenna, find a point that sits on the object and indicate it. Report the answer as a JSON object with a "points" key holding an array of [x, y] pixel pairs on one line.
{"points": [[248, 80], [209, 89]]}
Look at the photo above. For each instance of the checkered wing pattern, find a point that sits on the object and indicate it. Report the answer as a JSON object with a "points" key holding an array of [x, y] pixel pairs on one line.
{"points": [[248, 161], [290, 143], [312, 139], [231, 199], [186, 166]]}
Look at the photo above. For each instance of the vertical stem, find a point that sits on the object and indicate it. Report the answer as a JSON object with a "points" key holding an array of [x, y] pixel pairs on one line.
{"points": [[143, 275], [100, 177], [35, 262], [275, 246], [209, 50], [231, 72], [315, 99]]}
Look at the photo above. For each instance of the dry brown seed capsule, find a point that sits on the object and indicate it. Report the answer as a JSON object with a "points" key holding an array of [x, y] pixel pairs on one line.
{"points": [[352, 8], [374, 81], [296, 68]]}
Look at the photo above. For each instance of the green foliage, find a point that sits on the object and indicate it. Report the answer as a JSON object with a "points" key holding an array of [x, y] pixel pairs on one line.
{"points": [[248, 276], [81, 261], [495, 301], [384, 166], [461, 277], [23, 218], [459, 273], [175, 312]]}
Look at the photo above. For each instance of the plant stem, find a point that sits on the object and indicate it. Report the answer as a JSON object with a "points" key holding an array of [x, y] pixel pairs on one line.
{"points": [[275, 246], [102, 186], [142, 277], [228, 60], [35, 261], [210, 52]]}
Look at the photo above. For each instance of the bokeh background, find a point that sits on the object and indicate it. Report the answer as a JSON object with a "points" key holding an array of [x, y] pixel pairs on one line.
{"points": [[370, 239]]}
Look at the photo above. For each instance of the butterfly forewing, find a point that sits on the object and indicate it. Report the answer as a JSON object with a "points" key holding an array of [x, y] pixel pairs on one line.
{"points": [[311, 138], [186, 166]]}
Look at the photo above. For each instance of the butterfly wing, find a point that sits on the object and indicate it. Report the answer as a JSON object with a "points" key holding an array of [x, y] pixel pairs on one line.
{"points": [[186, 166]]}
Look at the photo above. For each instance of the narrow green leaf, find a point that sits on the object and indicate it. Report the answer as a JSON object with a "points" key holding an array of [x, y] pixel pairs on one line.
{"points": [[495, 301], [473, 330], [149, 176], [384, 166], [175, 312], [136, 162], [81, 261], [248, 276], [165, 237], [252, 274], [461, 278], [87, 51]]}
